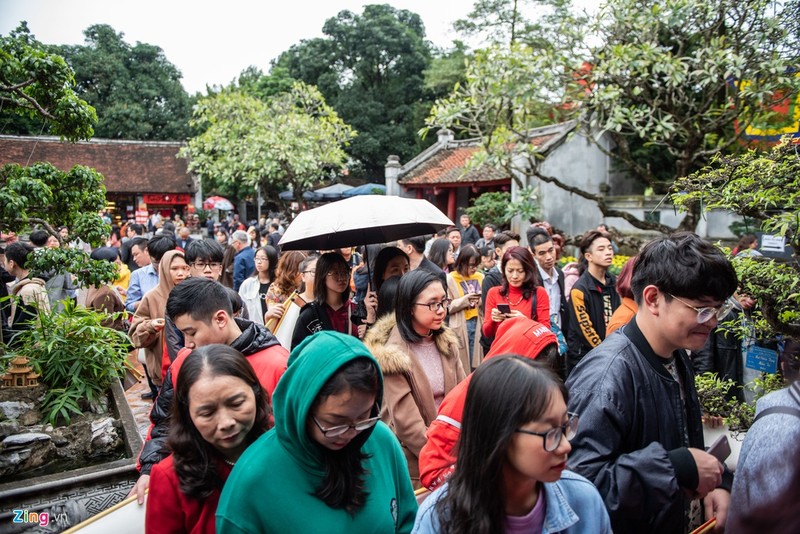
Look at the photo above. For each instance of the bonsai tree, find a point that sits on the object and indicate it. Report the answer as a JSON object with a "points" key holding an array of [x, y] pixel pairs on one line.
{"points": [[716, 399], [764, 186]]}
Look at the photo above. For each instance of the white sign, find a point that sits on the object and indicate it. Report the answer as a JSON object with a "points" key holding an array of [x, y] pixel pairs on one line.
{"points": [[773, 243]]}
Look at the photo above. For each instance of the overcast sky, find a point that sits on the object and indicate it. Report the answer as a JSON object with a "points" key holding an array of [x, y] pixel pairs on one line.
{"points": [[211, 42]]}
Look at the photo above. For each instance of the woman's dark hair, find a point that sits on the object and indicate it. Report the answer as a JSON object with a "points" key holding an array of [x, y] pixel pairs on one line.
{"points": [[286, 273], [194, 458], [468, 253], [524, 256], [342, 486], [745, 242], [272, 258], [439, 251], [381, 261], [325, 264], [789, 358], [387, 296], [504, 394], [624, 279], [411, 285]]}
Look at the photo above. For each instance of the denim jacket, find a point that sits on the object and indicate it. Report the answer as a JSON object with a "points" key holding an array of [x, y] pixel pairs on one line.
{"points": [[573, 506]]}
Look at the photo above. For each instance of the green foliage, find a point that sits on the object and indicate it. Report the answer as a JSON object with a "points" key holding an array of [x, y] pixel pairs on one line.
{"points": [[677, 75], [369, 67], [40, 194], [766, 188], [503, 22], [746, 226], [135, 89], [497, 208], [76, 356], [489, 208], [37, 86], [446, 70], [293, 141], [716, 399]]}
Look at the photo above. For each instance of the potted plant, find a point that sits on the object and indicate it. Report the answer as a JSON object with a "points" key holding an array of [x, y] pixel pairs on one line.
{"points": [[716, 400]]}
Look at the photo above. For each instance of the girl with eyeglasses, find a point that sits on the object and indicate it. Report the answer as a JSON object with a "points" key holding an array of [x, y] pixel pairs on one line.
{"points": [[329, 465], [254, 290], [510, 474], [218, 410], [332, 307], [419, 358]]}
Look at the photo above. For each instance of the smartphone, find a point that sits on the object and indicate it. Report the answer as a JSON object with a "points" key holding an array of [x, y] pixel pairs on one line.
{"points": [[720, 449], [505, 309]]}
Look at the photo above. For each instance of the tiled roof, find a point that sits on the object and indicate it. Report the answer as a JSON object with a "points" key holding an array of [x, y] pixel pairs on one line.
{"points": [[128, 166], [444, 162], [447, 167]]}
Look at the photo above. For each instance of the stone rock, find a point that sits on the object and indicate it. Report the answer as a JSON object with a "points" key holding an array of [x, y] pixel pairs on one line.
{"points": [[31, 417], [8, 428], [13, 409], [104, 436], [11, 460], [18, 441]]}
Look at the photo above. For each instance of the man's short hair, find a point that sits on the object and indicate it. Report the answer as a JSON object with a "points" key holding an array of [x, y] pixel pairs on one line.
{"points": [[138, 229], [504, 237], [158, 245], [490, 225], [536, 236], [683, 265], [140, 242], [39, 237], [417, 243], [199, 297], [590, 237], [274, 226], [18, 253], [453, 229], [204, 250], [241, 236]]}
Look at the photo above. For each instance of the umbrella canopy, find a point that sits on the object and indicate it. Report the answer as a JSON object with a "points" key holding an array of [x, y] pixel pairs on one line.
{"points": [[332, 192], [362, 220], [289, 195], [217, 203], [366, 189]]}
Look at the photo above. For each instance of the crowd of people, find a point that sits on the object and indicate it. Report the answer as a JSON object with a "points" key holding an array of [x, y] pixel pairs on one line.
{"points": [[459, 382]]}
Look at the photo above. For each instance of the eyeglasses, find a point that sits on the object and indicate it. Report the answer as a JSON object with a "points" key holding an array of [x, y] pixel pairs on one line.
{"points": [[261, 260], [202, 266], [338, 430], [436, 306], [705, 314], [552, 438], [339, 275]]}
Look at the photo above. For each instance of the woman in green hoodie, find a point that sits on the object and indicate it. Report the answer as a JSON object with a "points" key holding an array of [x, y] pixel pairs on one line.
{"points": [[329, 465]]}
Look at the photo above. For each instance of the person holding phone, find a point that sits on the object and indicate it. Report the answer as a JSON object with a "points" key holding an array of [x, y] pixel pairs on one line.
{"points": [[520, 293], [464, 289]]}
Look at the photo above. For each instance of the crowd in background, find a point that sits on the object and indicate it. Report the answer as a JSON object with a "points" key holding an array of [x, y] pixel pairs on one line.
{"points": [[461, 363]]}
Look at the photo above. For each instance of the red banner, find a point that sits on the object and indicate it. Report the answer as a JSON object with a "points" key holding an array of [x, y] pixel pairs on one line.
{"points": [[178, 198]]}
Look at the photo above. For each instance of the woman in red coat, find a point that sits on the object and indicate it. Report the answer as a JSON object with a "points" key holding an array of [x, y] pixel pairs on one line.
{"points": [[218, 410], [519, 294]]}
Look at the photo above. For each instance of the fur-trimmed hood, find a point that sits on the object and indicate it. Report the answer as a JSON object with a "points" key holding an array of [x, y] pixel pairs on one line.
{"points": [[392, 352]]}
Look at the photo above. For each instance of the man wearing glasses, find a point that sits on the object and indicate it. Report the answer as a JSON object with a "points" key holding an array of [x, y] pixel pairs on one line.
{"points": [[204, 257], [640, 440]]}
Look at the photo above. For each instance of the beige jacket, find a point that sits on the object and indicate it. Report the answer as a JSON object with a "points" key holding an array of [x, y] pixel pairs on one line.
{"points": [[408, 405]]}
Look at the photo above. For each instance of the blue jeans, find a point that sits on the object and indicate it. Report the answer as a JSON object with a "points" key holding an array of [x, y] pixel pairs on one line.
{"points": [[471, 335]]}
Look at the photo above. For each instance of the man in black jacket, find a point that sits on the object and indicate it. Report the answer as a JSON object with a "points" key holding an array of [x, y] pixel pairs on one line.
{"points": [[640, 438], [202, 312], [593, 298]]}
